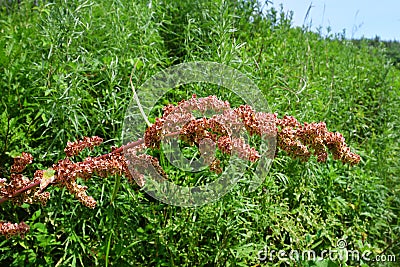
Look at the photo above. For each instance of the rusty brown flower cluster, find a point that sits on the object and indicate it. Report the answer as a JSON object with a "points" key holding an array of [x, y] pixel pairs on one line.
{"points": [[302, 141], [207, 123], [225, 127], [19, 190], [74, 148], [140, 163], [299, 141], [11, 229], [68, 171], [21, 162], [18, 182]]}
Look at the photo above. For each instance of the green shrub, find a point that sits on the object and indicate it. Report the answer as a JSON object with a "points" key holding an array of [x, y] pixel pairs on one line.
{"points": [[65, 70]]}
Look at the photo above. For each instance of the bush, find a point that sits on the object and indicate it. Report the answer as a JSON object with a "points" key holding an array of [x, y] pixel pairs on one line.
{"points": [[66, 67]]}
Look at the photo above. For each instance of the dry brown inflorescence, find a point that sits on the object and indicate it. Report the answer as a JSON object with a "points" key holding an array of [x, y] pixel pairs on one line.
{"points": [[222, 130]]}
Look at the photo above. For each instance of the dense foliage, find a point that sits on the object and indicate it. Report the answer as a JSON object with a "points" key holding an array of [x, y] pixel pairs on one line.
{"points": [[391, 48], [65, 72]]}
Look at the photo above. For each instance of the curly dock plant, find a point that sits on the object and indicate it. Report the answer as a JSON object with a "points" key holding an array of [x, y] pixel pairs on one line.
{"points": [[300, 141]]}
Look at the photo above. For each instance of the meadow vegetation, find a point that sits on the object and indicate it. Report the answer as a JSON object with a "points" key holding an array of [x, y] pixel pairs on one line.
{"points": [[65, 68]]}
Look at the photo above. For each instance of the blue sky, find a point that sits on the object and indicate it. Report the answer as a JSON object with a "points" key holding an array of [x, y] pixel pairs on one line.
{"points": [[359, 18]]}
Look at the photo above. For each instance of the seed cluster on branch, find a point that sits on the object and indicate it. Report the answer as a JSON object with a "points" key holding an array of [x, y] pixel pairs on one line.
{"points": [[10, 229], [207, 123]]}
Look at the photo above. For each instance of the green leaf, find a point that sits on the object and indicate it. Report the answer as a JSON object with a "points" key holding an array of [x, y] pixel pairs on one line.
{"points": [[116, 188], [14, 154], [36, 215], [48, 174], [41, 227], [48, 177], [108, 249]]}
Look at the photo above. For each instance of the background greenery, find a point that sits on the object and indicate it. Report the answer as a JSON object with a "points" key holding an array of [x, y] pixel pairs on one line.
{"points": [[65, 69]]}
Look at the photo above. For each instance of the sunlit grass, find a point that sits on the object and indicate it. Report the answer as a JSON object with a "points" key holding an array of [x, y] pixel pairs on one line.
{"points": [[65, 74]]}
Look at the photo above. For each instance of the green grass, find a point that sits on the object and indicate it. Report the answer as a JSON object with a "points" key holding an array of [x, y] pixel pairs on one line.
{"points": [[65, 74]]}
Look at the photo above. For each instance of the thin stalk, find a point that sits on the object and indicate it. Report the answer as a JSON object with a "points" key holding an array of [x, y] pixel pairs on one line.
{"points": [[137, 99]]}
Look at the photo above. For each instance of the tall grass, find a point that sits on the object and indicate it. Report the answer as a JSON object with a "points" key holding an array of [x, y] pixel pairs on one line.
{"points": [[65, 71]]}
